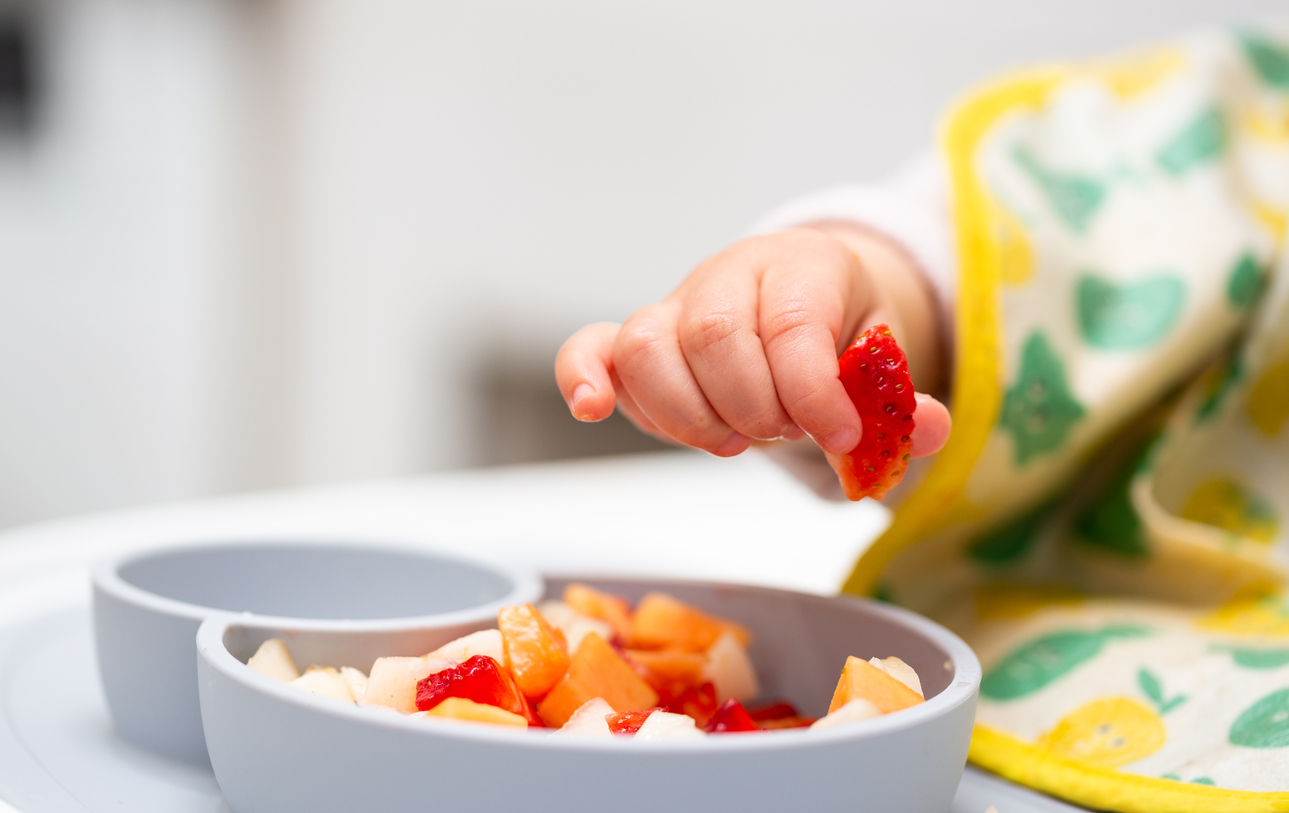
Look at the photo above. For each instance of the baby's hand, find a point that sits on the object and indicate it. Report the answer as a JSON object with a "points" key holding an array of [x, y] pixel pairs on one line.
{"points": [[746, 348]]}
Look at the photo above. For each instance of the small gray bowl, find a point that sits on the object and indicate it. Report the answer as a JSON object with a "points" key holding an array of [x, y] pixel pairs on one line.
{"points": [[277, 750], [148, 606]]}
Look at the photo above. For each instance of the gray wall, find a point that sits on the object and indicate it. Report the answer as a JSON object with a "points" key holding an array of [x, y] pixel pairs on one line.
{"points": [[252, 243]]}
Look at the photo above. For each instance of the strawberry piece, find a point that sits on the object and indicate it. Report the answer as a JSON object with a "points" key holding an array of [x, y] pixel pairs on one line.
{"points": [[876, 377], [730, 718], [479, 678], [698, 702], [629, 722], [774, 711]]}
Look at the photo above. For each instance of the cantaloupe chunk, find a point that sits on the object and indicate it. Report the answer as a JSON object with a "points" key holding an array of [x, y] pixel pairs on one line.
{"points": [[459, 708], [662, 622], [679, 665], [861, 680], [596, 670], [535, 651], [901, 671], [573, 624], [274, 660], [597, 604]]}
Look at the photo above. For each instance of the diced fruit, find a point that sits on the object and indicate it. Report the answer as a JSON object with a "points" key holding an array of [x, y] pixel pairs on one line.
{"points": [[609, 608], [853, 711], [591, 720], [698, 702], [459, 708], [273, 660], [786, 722], [773, 711], [478, 678], [535, 651], [392, 682], [324, 682], [483, 642], [671, 665], [596, 670], [779, 715], [662, 725], [876, 377], [629, 722], [729, 718], [663, 622], [573, 624], [860, 679], [901, 671], [356, 681], [730, 669]]}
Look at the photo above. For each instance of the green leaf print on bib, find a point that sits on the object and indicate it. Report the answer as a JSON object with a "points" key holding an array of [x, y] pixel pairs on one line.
{"points": [[1152, 688], [1269, 59], [1122, 317], [1201, 140], [1043, 660], [1110, 521], [1256, 658], [1009, 542], [1038, 409], [1245, 282], [1074, 198], [1265, 724]]}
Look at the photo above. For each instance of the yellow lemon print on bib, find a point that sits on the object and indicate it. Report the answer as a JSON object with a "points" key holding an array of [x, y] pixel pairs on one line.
{"points": [[1107, 733], [1269, 399], [1232, 507], [1257, 611]]}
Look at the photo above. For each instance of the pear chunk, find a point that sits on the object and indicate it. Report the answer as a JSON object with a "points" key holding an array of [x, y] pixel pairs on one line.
{"points": [[273, 660]]}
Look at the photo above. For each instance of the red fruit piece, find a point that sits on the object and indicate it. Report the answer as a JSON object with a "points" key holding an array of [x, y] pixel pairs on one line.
{"points": [[629, 722], [774, 711], [479, 678], [731, 717], [876, 377], [698, 702]]}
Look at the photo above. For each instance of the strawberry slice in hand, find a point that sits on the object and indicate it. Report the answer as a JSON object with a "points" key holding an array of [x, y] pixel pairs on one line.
{"points": [[876, 377]]}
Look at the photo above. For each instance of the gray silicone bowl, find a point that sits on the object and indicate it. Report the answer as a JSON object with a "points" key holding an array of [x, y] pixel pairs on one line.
{"points": [[275, 749], [148, 606]]}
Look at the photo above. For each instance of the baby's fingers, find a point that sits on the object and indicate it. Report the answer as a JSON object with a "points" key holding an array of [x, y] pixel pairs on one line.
{"points": [[931, 426], [651, 366], [583, 370]]}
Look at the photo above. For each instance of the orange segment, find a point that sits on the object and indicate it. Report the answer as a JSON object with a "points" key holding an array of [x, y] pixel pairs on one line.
{"points": [[535, 651], [459, 708], [860, 679], [663, 622], [596, 671], [614, 610]]}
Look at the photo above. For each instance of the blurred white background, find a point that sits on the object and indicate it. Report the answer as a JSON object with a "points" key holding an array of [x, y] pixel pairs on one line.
{"points": [[260, 243]]}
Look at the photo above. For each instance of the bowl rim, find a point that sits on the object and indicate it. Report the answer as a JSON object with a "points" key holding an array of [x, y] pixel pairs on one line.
{"points": [[963, 687], [525, 585]]}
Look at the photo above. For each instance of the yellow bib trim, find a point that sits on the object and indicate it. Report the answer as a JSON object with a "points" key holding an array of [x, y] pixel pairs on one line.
{"points": [[976, 389], [1105, 789]]}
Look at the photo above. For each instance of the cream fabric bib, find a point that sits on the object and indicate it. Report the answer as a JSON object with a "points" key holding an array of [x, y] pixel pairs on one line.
{"points": [[1109, 523]]}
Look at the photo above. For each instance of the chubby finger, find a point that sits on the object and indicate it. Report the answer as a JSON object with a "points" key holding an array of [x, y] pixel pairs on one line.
{"points": [[627, 406], [583, 371], [931, 426], [718, 330], [811, 301], [651, 366]]}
